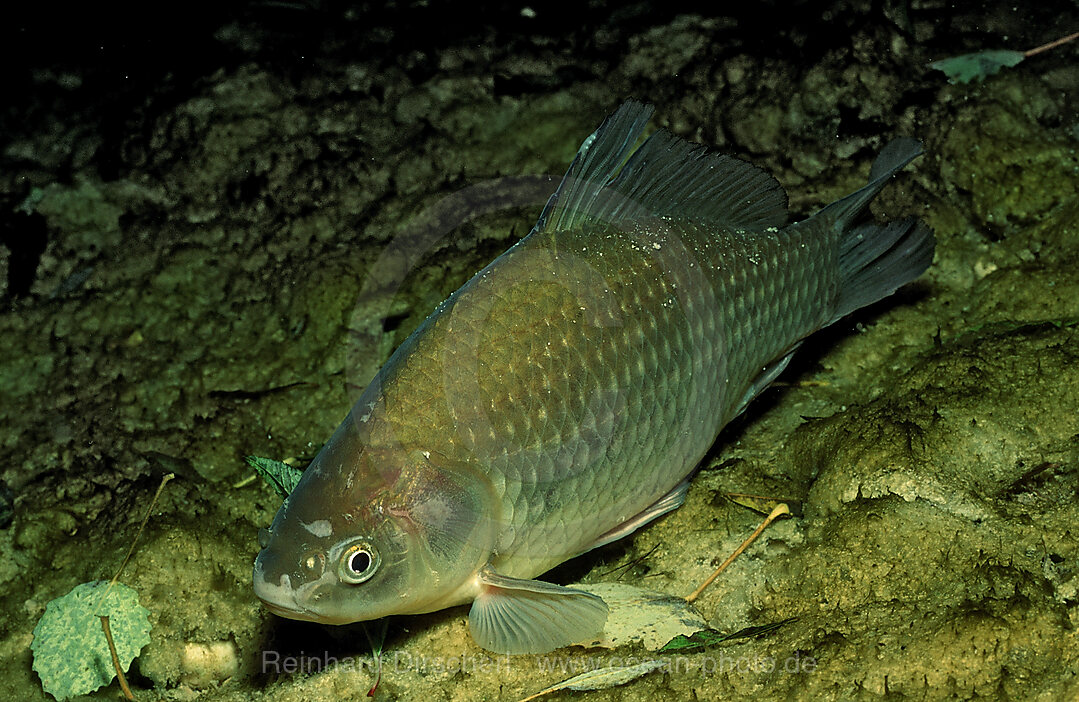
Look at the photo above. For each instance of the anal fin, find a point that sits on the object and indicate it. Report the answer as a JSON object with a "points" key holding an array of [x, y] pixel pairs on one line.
{"points": [[516, 616], [668, 503], [766, 377]]}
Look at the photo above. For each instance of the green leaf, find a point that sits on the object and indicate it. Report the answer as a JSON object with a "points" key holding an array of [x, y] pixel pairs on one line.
{"points": [[281, 476], [711, 637], [71, 655], [968, 67]]}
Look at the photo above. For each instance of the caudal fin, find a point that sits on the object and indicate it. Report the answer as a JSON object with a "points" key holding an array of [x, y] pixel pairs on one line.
{"points": [[876, 259]]}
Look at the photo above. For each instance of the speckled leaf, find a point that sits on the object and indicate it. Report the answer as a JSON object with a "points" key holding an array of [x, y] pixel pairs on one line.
{"points": [[602, 678], [639, 615], [281, 476], [976, 66], [71, 655]]}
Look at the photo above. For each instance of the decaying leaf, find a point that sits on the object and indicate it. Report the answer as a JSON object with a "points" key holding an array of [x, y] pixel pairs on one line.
{"points": [[602, 678], [639, 615]]}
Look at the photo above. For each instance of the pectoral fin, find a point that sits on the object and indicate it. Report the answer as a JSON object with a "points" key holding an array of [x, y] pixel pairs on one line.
{"points": [[529, 616]]}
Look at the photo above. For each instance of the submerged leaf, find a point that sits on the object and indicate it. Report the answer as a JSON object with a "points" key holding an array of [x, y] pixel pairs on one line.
{"points": [[281, 476], [602, 678], [977, 66], [639, 615], [71, 655], [711, 637]]}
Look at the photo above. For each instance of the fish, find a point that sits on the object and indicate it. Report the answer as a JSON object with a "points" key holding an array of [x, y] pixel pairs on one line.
{"points": [[564, 396]]}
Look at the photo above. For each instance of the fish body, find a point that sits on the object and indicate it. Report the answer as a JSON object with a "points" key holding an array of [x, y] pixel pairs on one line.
{"points": [[563, 396]]}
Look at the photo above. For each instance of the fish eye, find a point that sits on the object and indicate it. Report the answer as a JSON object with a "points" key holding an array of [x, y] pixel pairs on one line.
{"points": [[358, 563]]}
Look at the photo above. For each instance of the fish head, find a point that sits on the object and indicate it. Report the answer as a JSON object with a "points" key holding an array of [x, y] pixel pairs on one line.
{"points": [[371, 533]]}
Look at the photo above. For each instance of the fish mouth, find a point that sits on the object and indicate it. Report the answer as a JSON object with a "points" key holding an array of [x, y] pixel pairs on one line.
{"points": [[305, 615], [279, 597], [284, 599], [283, 602], [290, 612]]}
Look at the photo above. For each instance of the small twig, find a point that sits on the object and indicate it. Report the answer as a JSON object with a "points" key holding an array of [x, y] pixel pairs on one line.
{"points": [[115, 658], [138, 533], [632, 563], [779, 511], [1050, 45], [246, 481], [101, 598], [801, 384]]}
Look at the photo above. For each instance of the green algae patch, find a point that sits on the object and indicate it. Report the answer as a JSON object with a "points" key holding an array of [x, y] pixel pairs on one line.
{"points": [[929, 514], [86, 213], [71, 655], [1013, 170]]}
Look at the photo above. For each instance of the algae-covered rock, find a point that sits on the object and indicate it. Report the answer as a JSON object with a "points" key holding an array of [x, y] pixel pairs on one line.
{"points": [[940, 515]]}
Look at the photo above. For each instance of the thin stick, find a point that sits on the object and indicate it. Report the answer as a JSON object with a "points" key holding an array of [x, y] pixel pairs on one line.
{"points": [[115, 658], [138, 533], [246, 481], [1050, 45], [104, 595], [780, 510], [751, 495]]}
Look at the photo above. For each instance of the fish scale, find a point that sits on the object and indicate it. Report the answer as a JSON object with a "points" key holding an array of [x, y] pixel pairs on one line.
{"points": [[562, 397], [683, 368]]}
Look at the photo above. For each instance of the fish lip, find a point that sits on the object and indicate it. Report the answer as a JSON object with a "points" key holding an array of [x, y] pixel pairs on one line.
{"points": [[278, 597], [284, 600], [287, 605], [290, 612], [306, 615]]}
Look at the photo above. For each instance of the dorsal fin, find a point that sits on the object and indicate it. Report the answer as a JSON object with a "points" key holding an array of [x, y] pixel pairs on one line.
{"points": [[610, 182]]}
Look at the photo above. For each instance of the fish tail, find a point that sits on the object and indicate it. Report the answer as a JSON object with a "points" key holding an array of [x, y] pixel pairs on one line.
{"points": [[876, 259]]}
